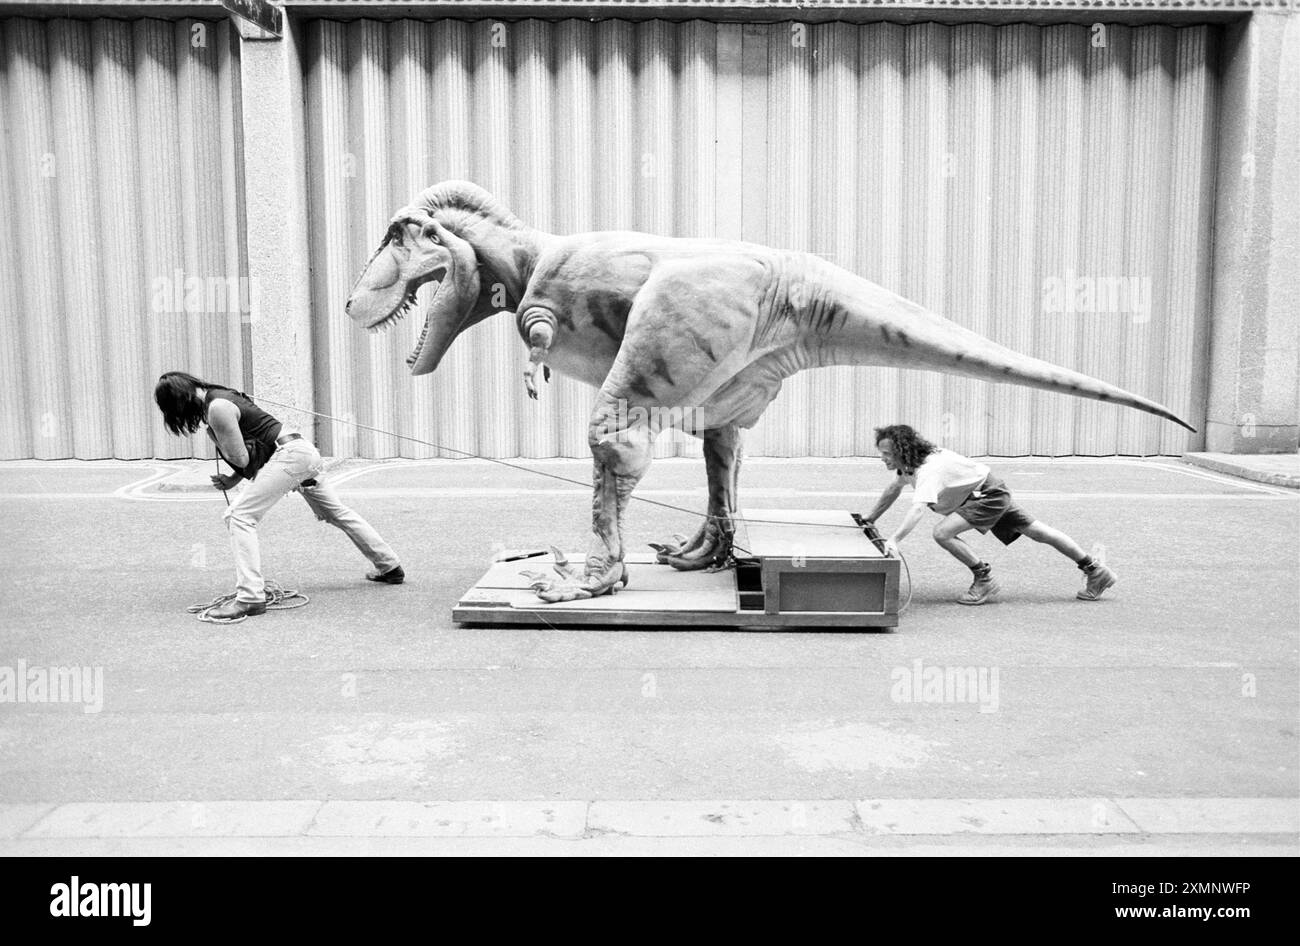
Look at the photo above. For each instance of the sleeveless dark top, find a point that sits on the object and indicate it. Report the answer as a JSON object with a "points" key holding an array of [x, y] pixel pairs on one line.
{"points": [[258, 428]]}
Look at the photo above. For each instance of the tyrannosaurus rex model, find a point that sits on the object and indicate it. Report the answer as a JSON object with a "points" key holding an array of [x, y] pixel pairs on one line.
{"points": [[657, 323]]}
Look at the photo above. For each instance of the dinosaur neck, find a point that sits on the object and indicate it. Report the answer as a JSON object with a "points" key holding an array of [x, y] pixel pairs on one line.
{"points": [[509, 250]]}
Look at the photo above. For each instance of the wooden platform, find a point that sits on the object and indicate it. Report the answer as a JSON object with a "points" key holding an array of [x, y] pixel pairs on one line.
{"points": [[795, 569]]}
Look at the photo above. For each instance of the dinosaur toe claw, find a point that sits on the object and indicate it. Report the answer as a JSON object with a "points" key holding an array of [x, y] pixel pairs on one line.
{"points": [[666, 550], [600, 578]]}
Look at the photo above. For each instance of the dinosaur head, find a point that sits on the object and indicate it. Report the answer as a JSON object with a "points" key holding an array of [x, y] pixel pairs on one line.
{"points": [[418, 249]]}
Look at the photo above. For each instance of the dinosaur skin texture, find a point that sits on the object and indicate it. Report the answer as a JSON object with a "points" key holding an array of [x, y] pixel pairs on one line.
{"points": [[665, 329]]}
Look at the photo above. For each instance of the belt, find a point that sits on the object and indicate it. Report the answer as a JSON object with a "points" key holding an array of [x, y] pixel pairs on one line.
{"points": [[287, 438]]}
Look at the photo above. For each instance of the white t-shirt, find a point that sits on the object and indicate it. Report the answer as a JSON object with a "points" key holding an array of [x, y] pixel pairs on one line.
{"points": [[944, 480]]}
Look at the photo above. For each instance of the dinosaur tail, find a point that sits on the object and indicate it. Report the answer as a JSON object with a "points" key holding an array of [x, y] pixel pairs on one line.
{"points": [[863, 323]]}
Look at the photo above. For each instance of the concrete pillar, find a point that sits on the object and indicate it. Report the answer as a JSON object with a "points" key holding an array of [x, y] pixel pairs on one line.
{"points": [[275, 203], [1254, 391]]}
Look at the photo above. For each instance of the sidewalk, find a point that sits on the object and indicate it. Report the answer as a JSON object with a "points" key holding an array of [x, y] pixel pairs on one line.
{"points": [[890, 827], [1275, 469]]}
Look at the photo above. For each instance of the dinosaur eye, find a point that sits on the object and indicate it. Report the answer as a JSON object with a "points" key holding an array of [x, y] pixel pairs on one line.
{"points": [[431, 233]]}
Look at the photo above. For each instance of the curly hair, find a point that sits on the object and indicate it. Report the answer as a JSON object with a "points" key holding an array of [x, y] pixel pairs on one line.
{"points": [[909, 446]]}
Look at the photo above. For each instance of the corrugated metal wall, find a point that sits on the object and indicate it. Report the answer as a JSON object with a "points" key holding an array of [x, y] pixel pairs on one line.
{"points": [[1033, 183], [118, 185]]}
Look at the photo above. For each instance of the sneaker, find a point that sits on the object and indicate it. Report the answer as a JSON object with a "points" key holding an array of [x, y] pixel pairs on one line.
{"points": [[1098, 580], [983, 590], [394, 576]]}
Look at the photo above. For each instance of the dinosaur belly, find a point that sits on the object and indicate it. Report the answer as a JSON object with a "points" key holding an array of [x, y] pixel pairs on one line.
{"points": [[580, 364]]}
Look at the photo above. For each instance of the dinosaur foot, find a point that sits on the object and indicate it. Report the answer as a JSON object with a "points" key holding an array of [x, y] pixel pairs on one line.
{"points": [[572, 584], [680, 546], [709, 549]]}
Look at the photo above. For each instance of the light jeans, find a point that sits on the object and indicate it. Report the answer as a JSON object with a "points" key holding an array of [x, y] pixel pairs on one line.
{"points": [[292, 463]]}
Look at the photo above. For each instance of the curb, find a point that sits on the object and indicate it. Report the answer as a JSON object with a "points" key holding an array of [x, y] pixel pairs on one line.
{"points": [[1242, 467], [594, 818]]}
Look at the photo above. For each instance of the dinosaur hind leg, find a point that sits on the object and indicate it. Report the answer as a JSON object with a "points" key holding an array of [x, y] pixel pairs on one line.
{"points": [[711, 547], [620, 456], [685, 320]]}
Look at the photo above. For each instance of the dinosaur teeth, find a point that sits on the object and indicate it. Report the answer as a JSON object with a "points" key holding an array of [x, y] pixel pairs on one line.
{"points": [[396, 315], [410, 359]]}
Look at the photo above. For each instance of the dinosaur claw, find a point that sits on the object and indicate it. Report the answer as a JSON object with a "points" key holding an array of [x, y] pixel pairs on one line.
{"points": [[562, 567], [574, 585], [709, 549], [665, 551], [530, 379]]}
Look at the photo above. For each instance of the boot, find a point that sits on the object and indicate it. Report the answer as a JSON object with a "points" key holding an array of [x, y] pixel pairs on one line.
{"points": [[984, 589]]}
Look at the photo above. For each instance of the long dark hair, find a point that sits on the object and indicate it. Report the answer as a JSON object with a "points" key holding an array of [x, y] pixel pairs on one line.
{"points": [[174, 395], [909, 446]]}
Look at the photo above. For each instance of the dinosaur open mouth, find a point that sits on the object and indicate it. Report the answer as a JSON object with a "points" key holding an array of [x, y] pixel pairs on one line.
{"points": [[399, 313]]}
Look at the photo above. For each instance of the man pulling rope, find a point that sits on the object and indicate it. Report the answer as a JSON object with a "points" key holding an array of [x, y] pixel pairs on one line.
{"points": [[253, 442]]}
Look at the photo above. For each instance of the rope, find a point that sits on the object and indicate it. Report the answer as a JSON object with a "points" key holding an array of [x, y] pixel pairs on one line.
{"points": [[908, 603], [277, 599], [217, 461], [567, 479], [553, 476]]}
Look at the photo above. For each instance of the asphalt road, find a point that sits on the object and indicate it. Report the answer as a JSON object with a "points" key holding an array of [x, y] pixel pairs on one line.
{"points": [[1178, 687]]}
